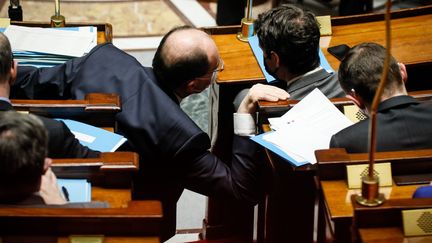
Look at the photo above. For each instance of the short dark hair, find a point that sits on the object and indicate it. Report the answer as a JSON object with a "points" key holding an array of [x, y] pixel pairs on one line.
{"points": [[293, 34], [6, 57], [23, 149], [173, 74], [361, 71]]}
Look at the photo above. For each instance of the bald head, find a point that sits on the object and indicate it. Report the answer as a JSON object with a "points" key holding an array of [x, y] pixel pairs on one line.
{"points": [[184, 53]]}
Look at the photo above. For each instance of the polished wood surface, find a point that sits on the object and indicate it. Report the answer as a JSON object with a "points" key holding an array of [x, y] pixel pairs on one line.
{"points": [[240, 64], [385, 222], [104, 30], [389, 234], [409, 36], [338, 197]]}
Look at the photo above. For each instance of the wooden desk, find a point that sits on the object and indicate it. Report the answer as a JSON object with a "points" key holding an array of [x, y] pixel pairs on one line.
{"points": [[336, 212], [338, 208], [104, 30]]}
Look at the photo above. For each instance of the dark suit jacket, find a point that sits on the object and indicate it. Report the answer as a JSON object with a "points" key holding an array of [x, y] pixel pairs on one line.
{"points": [[402, 124], [174, 151], [61, 142]]}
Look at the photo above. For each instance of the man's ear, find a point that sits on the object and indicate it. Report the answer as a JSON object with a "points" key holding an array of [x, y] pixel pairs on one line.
{"points": [[275, 58], [356, 99], [191, 86], [403, 72], [13, 72], [47, 164]]}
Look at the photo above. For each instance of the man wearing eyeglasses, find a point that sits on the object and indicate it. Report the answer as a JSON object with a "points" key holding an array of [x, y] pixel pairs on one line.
{"points": [[174, 151]]}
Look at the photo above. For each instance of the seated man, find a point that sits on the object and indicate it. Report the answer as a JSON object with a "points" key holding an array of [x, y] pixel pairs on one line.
{"points": [[174, 151], [289, 38], [402, 122], [61, 142], [25, 174]]}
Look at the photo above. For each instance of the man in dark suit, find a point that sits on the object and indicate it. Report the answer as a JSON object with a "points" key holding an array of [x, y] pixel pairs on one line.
{"points": [[402, 122], [25, 174], [289, 38], [62, 143], [174, 151]]}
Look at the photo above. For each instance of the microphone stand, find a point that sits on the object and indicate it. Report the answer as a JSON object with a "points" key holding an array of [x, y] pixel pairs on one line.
{"points": [[57, 20], [247, 26], [370, 183]]}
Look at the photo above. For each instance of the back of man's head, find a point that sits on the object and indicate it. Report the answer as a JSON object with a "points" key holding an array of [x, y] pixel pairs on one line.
{"points": [[361, 70], [6, 58], [181, 57], [293, 34], [23, 148]]}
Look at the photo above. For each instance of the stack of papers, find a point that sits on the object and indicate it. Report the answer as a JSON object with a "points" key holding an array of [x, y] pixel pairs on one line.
{"points": [[45, 47], [306, 127]]}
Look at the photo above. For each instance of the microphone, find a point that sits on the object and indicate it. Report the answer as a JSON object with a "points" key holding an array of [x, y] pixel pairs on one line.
{"points": [[15, 11], [370, 183]]}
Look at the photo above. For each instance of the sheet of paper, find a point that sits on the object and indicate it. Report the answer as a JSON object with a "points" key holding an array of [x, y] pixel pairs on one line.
{"points": [[50, 40], [308, 126]]}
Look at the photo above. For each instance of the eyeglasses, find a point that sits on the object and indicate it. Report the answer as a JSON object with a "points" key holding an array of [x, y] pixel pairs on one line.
{"points": [[220, 66]]}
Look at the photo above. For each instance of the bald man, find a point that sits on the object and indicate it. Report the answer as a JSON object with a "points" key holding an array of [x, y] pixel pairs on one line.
{"points": [[174, 151]]}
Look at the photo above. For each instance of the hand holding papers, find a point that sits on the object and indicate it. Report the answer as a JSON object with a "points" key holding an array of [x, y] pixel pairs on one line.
{"points": [[306, 127]]}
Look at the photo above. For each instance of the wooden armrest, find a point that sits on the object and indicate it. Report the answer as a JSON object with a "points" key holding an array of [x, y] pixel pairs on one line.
{"points": [[113, 169], [97, 109], [139, 218]]}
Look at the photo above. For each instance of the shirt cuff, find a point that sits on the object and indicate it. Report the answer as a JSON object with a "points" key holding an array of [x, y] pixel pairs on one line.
{"points": [[244, 124]]}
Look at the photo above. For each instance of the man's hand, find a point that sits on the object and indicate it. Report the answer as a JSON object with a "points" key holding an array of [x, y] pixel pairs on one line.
{"points": [[49, 190], [261, 92]]}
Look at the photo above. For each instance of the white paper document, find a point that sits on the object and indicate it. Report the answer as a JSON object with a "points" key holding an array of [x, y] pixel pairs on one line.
{"points": [[306, 127], [51, 40]]}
